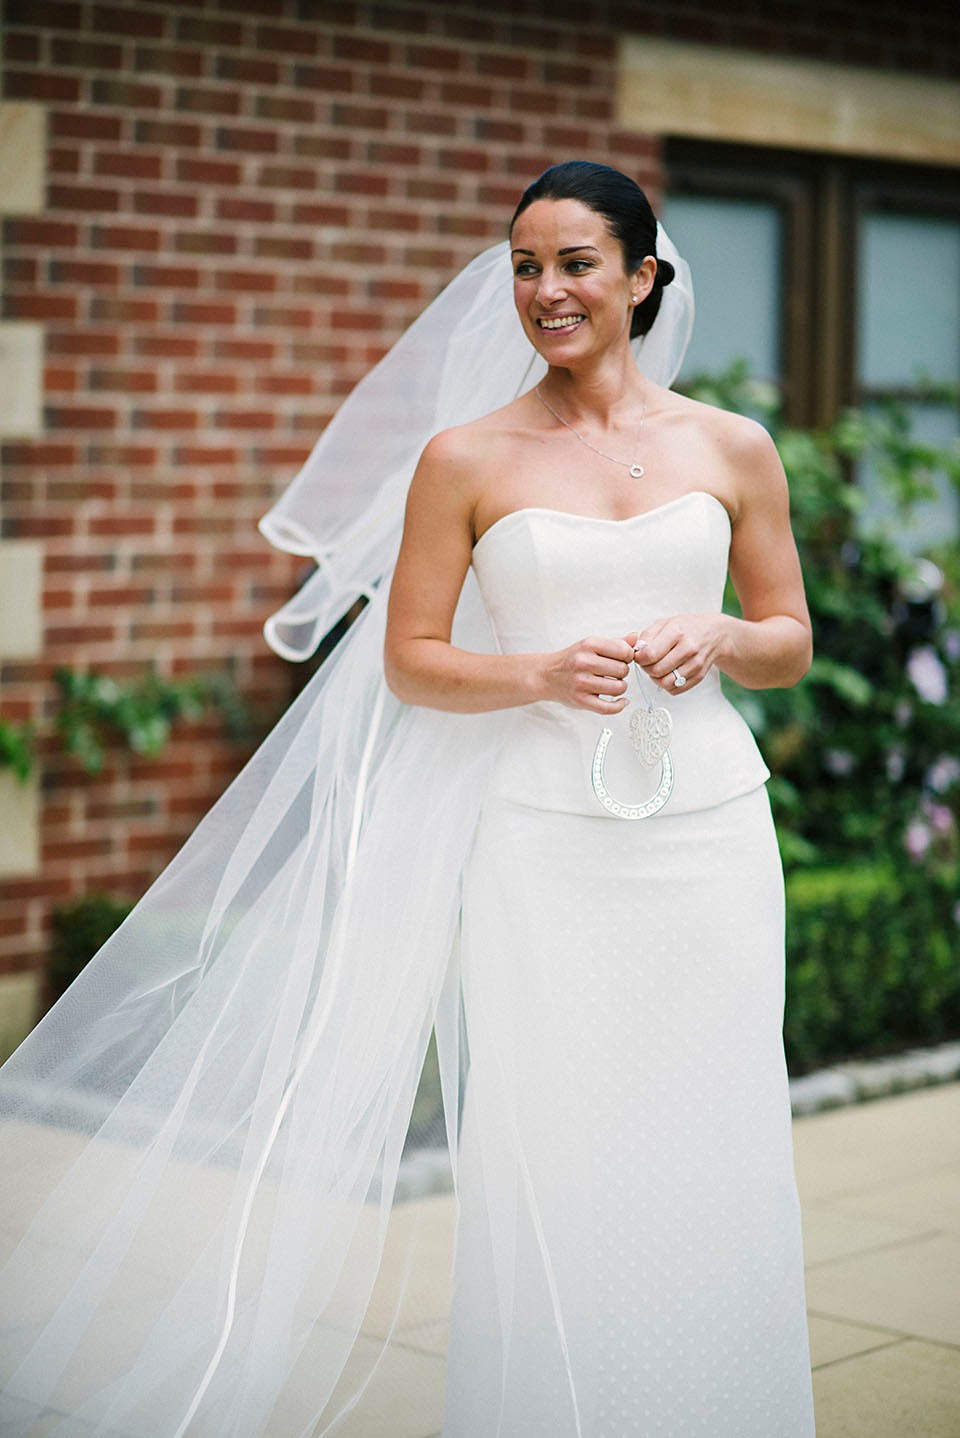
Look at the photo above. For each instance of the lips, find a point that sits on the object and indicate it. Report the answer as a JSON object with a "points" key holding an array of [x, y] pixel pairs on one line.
{"points": [[559, 323]]}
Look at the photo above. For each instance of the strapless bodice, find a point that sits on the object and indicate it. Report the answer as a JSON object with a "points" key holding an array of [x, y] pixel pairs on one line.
{"points": [[548, 579]]}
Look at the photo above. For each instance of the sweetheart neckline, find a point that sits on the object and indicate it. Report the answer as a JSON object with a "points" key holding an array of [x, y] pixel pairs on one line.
{"points": [[599, 518]]}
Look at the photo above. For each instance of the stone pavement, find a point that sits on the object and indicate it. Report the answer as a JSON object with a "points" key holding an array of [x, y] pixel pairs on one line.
{"points": [[880, 1190]]}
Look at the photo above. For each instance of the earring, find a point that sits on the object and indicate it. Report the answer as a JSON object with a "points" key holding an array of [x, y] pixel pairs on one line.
{"points": [[633, 299]]}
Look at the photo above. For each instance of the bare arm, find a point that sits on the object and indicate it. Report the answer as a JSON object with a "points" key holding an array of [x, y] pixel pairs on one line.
{"points": [[421, 665], [771, 646]]}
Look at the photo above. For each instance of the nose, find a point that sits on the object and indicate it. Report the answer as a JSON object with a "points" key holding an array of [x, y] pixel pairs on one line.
{"points": [[550, 288]]}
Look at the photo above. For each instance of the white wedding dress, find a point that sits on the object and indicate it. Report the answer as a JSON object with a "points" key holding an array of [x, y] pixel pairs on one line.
{"points": [[628, 1256], [200, 1145]]}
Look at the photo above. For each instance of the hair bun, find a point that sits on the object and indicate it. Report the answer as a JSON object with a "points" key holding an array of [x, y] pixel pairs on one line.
{"points": [[665, 272]]}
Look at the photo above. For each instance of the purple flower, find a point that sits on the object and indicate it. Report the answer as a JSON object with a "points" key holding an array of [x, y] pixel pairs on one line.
{"points": [[916, 839], [927, 675], [941, 818], [895, 765], [943, 774], [839, 761]]}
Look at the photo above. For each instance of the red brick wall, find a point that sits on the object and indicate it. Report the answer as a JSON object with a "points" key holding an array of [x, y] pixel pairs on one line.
{"points": [[247, 203]]}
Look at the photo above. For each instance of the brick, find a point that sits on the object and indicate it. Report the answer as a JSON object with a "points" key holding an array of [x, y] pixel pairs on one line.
{"points": [[84, 125], [60, 379], [325, 79], [358, 252], [534, 102], [361, 182], [284, 384], [126, 94], [473, 161], [469, 27], [48, 13], [37, 526], [202, 454], [23, 48], [556, 72], [361, 47], [402, 18], [403, 221], [129, 20], [122, 454], [164, 562], [532, 37], [136, 164], [64, 196], [158, 629], [82, 342], [396, 290], [178, 133], [397, 87], [204, 242], [39, 452], [360, 117], [286, 40], [460, 92], [40, 85], [206, 100], [164, 418], [123, 309], [509, 132], [324, 147], [334, 216], [20, 271], [282, 317], [209, 32], [203, 312], [125, 380], [168, 60], [282, 454], [356, 319], [248, 69], [382, 152], [475, 226], [247, 281], [41, 232], [283, 247], [120, 594], [292, 108], [80, 417], [253, 142], [166, 346], [434, 57], [431, 122], [244, 349], [287, 177], [86, 54], [124, 237], [40, 307], [503, 65], [167, 277], [178, 203], [418, 188], [209, 171], [229, 207]]}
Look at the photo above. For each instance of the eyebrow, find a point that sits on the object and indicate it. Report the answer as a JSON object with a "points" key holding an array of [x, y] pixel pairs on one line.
{"points": [[567, 250]]}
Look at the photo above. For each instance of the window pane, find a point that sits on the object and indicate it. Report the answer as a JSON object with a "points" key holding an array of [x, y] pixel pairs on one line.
{"points": [[935, 521], [908, 300], [733, 248]]}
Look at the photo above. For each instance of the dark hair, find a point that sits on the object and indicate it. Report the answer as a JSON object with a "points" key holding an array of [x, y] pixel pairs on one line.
{"points": [[627, 214]]}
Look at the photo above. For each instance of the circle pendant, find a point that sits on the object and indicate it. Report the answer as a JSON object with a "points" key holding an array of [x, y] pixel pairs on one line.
{"points": [[636, 471]]}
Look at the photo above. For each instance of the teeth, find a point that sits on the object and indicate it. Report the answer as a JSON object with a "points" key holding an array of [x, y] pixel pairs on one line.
{"points": [[564, 322]]}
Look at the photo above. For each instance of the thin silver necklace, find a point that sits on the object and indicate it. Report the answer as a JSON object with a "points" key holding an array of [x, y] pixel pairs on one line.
{"points": [[635, 470]]}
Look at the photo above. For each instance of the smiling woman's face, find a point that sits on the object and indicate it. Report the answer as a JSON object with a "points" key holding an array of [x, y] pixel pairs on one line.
{"points": [[571, 290]]}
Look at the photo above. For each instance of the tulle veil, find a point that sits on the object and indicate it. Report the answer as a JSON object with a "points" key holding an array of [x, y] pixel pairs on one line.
{"points": [[216, 1180]]}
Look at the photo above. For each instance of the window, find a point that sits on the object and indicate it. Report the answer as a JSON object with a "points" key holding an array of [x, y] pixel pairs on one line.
{"points": [[837, 278]]}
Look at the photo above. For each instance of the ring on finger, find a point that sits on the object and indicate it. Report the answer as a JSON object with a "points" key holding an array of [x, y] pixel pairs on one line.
{"points": [[678, 679]]}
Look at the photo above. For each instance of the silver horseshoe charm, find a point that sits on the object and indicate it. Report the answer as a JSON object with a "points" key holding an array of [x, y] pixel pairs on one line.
{"points": [[630, 811]]}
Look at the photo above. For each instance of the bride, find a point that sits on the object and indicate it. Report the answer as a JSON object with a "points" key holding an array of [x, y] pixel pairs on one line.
{"points": [[550, 844]]}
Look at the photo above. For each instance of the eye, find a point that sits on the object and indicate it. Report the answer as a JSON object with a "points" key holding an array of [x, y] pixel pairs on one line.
{"points": [[578, 266], [524, 269]]}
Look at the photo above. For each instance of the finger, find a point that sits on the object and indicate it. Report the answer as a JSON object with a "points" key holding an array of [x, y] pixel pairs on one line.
{"points": [[611, 649], [603, 706]]}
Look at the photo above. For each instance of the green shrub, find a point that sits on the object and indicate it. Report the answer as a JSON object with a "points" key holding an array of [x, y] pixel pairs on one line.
{"points": [[80, 928], [873, 962]]}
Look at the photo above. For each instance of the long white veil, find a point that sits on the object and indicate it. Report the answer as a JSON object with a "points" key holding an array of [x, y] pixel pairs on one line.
{"points": [[207, 1142]]}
